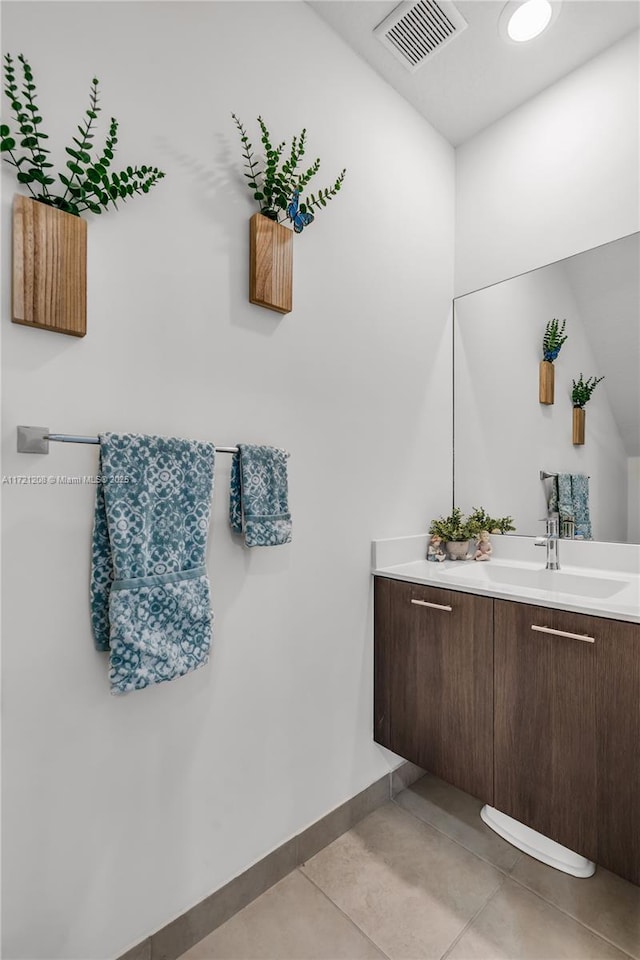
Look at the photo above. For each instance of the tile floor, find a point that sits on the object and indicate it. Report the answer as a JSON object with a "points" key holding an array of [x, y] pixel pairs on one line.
{"points": [[423, 877]]}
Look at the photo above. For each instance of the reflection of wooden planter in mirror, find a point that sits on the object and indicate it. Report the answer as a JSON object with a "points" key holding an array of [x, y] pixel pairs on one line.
{"points": [[271, 256], [49, 268], [579, 414], [547, 379]]}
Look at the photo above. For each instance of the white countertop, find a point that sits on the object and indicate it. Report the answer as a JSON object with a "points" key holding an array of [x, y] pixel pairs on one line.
{"points": [[611, 593]]}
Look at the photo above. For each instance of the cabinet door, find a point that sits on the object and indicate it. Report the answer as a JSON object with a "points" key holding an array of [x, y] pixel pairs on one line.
{"points": [[618, 705], [433, 681], [545, 723]]}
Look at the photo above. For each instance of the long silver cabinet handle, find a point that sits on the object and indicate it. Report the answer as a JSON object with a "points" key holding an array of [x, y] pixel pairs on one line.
{"points": [[563, 633], [435, 606]]}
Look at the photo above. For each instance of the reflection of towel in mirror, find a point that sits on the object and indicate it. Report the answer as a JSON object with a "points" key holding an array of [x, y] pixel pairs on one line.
{"points": [[580, 502], [150, 605], [570, 498], [259, 496]]}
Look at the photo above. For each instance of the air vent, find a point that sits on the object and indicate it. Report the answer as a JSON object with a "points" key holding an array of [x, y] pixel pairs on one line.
{"points": [[415, 31]]}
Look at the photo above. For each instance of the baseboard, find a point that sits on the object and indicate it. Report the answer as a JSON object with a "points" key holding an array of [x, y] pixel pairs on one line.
{"points": [[181, 934], [404, 775]]}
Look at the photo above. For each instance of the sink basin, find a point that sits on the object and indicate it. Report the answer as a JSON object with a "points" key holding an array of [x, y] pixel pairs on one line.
{"points": [[535, 578]]}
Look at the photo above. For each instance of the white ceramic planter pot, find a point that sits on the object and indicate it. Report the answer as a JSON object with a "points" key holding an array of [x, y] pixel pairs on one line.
{"points": [[457, 549]]}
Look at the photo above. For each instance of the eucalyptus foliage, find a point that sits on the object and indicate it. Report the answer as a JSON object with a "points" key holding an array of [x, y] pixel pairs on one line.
{"points": [[480, 517], [455, 528], [582, 390], [88, 182], [278, 178], [554, 337]]}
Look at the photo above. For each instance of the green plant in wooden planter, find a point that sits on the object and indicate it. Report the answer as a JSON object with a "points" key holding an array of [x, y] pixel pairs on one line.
{"points": [[88, 181], [278, 184], [554, 337], [491, 524], [582, 390]]}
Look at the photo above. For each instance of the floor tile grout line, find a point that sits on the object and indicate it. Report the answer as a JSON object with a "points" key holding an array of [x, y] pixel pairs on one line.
{"points": [[550, 903], [509, 874], [340, 910], [502, 875], [427, 823], [473, 919]]}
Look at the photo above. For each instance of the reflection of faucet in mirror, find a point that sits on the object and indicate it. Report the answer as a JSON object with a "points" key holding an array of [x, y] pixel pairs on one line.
{"points": [[550, 540]]}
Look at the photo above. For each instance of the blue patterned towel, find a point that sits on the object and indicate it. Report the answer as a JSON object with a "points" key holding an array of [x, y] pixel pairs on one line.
{"points": [[259, 500], [570, 498], [150, 602], [580, 501]]}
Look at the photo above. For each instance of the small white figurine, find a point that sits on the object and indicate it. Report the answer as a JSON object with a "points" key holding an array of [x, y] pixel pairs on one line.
{"points": [[484, 549], [435, 550]]}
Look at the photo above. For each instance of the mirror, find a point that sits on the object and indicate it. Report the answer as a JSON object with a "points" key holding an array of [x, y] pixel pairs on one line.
{"points": [[504, 437]]}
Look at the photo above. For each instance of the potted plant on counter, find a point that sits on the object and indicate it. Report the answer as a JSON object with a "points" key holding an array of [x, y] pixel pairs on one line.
{"points": [[580, 395], [491, 524], [455, 531]]}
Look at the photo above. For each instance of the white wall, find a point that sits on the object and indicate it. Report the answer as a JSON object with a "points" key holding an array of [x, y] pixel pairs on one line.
{"points": [[556, 176], [120, 813], [504, 436]]}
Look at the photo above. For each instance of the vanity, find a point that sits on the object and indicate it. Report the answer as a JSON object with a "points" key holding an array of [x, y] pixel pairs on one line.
{"points": [[514, 694], [520, 684]]}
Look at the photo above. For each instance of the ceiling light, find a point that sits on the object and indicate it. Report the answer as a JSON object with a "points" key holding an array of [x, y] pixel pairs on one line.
{"points": [[521, 21]]}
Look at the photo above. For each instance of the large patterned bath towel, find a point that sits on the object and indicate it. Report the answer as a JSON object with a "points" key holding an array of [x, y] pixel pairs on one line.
{"points": [[150, 598]]}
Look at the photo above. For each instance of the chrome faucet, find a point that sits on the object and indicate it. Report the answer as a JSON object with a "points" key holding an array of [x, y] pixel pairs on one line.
{"points": [[550, 540]]}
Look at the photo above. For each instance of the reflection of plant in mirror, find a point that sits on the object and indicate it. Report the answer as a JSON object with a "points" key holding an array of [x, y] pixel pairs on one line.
{"points": [[582, 390], [455, 527], [491, 524], [87, 182], [554, 337], [278, 188]]}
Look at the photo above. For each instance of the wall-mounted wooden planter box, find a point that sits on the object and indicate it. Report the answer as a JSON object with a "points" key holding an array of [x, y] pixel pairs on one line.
{"points": [[579, 415], [547, 380], [271, 256], [49, 268]]}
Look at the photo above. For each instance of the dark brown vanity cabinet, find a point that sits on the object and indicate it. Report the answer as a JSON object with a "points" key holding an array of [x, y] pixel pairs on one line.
{"points": [[533, 710], [434, 681], [618, 744], [545, 722], [567, 730]]}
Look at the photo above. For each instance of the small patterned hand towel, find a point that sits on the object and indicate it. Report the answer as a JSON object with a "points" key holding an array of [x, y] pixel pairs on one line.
{"points": [[580, 502], [259, 499], [150, 600], [565, 501], [572, 502]]}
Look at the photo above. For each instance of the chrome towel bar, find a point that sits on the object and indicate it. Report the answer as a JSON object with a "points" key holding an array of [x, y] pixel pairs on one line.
{"points": [[36, 440]]}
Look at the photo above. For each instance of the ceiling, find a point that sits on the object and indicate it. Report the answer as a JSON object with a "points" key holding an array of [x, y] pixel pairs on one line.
{"points": [[478, 77]]}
